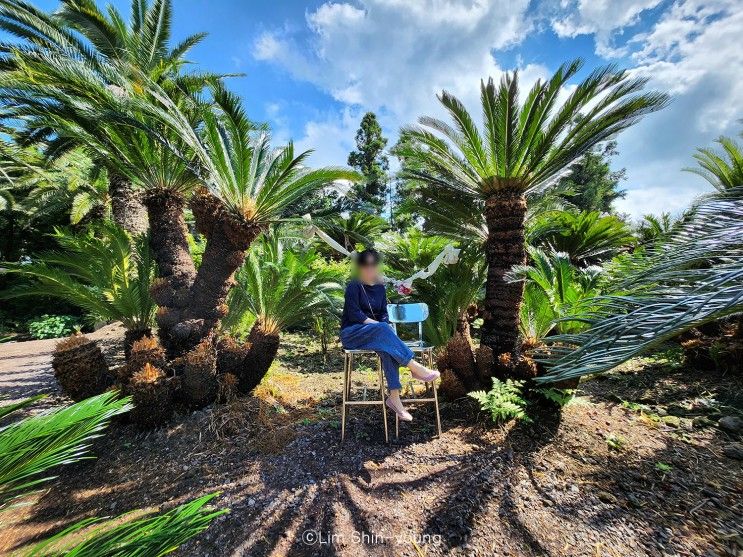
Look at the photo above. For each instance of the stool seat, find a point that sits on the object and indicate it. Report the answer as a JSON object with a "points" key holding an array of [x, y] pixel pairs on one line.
{"points": [[358, 351]]}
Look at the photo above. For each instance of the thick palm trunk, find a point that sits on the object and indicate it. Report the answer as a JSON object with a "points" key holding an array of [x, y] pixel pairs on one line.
{"points": [[505, 213], [457, 361], [176, 270], [127, 208], [263, 346], [227, 239]]}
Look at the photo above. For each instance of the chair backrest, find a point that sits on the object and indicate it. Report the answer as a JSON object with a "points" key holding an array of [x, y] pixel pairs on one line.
{"points": [[408, 313]]}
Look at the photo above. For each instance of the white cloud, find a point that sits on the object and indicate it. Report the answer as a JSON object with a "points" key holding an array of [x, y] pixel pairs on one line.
{"points": [[656, 200], [602, 18], [394, 56], [267, 47]]}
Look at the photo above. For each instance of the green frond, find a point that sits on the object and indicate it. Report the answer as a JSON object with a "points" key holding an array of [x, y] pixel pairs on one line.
{"points": [[526, 145], [152, 535], [282, 287], [105, 273], [692, 278], [33, 446]]}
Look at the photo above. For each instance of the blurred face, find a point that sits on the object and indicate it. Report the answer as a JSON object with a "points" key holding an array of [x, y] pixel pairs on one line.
{"points": [[369, 272]]}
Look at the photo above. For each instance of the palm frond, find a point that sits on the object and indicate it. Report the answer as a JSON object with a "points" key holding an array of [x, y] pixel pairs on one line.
{"points": [[34, 445], [528, 144], [282, 288], [693, 278], [587, 237], [105, 273], [152, 535]]}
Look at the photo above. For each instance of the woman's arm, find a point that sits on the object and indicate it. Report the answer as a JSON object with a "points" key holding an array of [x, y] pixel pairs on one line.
{"points": [[384, 317], [352, 303]]}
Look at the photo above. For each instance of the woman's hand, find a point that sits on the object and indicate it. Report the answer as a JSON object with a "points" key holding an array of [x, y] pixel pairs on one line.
{"points": [[369, 320]]}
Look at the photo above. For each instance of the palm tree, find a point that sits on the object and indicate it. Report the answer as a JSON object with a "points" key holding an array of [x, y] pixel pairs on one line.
{"points": [[654, 228], [249, 184], [587, 237], [722, 170], [72, 184], [350, 230], [553, 283], [81, 30], [278, 288], [523, 148], [29, 448]]}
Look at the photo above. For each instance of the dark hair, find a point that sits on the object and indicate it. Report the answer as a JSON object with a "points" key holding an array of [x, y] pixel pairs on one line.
{"points": [[368, 257]]}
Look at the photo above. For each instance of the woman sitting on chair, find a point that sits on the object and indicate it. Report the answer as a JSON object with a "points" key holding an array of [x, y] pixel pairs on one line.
{"points": [[365, 326]]}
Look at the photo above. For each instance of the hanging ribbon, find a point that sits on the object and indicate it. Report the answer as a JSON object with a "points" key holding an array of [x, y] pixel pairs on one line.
{"points": [[448, 256]]}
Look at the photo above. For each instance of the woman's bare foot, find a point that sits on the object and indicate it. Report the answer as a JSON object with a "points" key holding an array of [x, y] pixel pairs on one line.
{"points": [[394, 403], [422, 373]]}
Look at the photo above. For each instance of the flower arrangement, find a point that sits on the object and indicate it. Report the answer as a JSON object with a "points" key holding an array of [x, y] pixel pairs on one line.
{"points": [[403, 289]]}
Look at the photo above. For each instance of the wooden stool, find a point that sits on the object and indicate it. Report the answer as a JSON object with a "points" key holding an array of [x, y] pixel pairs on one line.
{"points": [[348, 358], [348, 361]]}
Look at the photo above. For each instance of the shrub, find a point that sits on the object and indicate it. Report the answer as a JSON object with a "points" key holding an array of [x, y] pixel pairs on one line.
{"points": [[53, 326], [503, 401]]}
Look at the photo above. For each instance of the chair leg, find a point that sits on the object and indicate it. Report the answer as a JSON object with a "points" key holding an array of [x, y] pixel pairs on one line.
{"points": [[350, 370], [397, 426], [436, 404], [345, 397], [381, 391]]}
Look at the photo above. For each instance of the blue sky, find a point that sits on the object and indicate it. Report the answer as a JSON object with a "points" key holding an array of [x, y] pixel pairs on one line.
{"points": [[313, 68]]}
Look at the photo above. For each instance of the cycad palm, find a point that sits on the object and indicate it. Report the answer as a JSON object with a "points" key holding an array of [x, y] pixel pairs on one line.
{"points": [[278, 288], [722, 170], [522, 149], [106, 274], [100, 39], [587, 237], [249, 184]]}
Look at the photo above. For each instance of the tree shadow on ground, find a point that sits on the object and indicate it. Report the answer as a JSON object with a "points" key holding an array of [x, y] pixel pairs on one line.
{"points": [[475, 486]]}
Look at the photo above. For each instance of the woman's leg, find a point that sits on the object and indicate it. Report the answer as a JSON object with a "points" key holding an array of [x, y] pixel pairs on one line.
{"points": [[381, 338], [391, 371], [378, 337]]}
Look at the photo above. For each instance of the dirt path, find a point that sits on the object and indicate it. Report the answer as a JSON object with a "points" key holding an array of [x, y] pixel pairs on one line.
{"points": [[26, 367], [555, 487]]}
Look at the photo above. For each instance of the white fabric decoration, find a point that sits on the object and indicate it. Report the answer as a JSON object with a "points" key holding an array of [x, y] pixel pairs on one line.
{"points": [[448, 256]]}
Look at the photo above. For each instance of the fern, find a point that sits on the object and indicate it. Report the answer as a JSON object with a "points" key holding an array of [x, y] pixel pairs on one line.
{"points": [[504, 401], [561, 397]]}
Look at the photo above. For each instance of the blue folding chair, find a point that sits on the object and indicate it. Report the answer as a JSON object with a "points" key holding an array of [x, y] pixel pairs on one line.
{"points": [[398, 314], [416, 314]]}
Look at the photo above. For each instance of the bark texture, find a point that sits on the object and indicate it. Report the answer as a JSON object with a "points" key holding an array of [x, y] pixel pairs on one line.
{"points": [[263, 346], [127, 208], [227, 239], [505, 213], [176, 270]]}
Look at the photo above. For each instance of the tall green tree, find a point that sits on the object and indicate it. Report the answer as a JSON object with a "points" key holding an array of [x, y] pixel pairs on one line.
{"points": [[522, 149], [372, 163], [591, 184], [138, 46]]}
